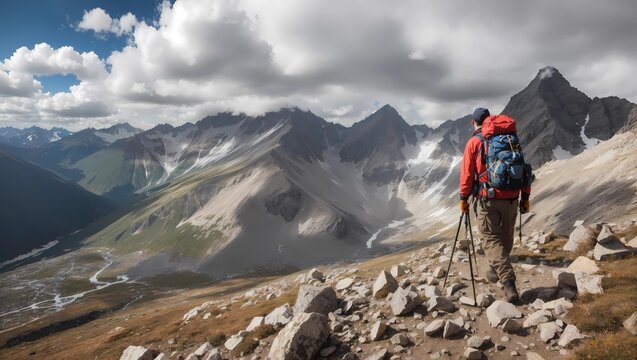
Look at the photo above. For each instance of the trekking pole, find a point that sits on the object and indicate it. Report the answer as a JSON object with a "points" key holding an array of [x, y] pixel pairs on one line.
{"points": [[473, 283], [520, 230], [473, 248], [453, 249]]}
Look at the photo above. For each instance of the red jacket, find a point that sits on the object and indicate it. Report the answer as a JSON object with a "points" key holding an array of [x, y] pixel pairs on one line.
{"points": [[472, 166]]}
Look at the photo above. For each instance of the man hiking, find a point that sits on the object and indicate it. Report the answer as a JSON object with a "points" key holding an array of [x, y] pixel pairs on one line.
{"points": [[494, 173]]}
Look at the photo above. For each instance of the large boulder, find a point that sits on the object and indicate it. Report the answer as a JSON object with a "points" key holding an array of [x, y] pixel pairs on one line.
{"points": [[453, 328], [203, 349], [138, 353], [279, 316], [316, 274], [384, 284], [301, 338], [581, 236], [404, 301], [589, 284], [315, 299], [500, 311], [611, 248], [583, 264], [233, 341]]}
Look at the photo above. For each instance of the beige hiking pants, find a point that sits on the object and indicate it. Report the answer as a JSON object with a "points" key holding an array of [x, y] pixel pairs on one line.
{"points": [[496, 221]]}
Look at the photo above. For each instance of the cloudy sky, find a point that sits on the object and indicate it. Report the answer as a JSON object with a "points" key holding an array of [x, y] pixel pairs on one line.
{"points": [[95, 63]]}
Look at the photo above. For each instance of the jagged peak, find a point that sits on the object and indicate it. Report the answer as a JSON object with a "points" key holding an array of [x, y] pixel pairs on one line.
{"points": [[548, 72]]}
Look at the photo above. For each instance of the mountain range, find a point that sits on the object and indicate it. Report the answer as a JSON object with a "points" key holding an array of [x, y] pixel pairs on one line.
{"points": [[31, 137], [232, 193]]}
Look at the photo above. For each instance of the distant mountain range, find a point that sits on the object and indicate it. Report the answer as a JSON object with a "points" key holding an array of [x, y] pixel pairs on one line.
{"points": [[232, 192], [31, 137]]}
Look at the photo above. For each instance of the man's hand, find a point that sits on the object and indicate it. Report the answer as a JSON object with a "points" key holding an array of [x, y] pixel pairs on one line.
{"points": [[464, 206], [525, 206]]}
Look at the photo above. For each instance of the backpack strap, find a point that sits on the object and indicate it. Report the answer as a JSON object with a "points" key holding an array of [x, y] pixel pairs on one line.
{"points": [[480, 184]]}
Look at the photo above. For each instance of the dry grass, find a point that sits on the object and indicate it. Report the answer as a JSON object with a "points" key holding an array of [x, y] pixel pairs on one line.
{"points": [[616, 346], [601, 316]]}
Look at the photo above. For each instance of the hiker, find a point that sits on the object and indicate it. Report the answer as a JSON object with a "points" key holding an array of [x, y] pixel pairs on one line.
{"points": [[495, 192]]}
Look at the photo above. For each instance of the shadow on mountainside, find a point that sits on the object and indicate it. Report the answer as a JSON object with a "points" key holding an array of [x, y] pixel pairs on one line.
{"points": [[571, 202]]}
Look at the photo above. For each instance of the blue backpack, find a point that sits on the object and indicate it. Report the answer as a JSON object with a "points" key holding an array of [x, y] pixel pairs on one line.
{"points": [[502, 155]]}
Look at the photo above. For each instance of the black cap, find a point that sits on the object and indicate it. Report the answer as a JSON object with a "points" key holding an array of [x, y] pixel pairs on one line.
{"points": [[480, 114]]}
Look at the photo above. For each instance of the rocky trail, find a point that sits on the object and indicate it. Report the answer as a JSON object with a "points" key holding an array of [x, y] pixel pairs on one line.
{"points": [[395, 307]]}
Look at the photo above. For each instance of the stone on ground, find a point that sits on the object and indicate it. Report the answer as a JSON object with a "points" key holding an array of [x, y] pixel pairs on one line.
{"points": [[583, 264], [581, 236], [315, 299], [397, 270], [384, 284], [548, 331], [379, 355], [484, 300], [213, 354], [612, 248], [588, 284], [537, 318], [452, 328], [533, 356], [378, 329], [301, 338], [439, 272], [234, 341], [472, 354], [430, 291], [630, 324], [434, 327], [551, 305], [344, 284], [404, 301], [203, 349], [400, 339], [499, 311], [255, 323], [440, 303], [571, 336], [465, 300], [279, 316], [317, 274], [510, 326], [138, 353], [162, 356]]}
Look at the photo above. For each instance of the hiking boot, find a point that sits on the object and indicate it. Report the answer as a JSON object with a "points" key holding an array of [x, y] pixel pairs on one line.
{"points": [[511, 292], [491, 275]]}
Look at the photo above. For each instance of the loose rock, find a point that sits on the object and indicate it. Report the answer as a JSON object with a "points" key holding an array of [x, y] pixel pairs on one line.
{"points": [[384, 284], [434, 327], [378, 329], [472, 354], [138, 353], [315, 299], [404, 301], [499, 311], [570, 336], [630, 324], [301, 338]]}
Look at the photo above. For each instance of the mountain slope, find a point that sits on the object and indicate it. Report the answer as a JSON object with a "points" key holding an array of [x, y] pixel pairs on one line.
{"points": [[598, 184], [37, 207]]}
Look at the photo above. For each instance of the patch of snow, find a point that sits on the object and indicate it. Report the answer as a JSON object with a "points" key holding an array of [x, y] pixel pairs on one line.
{"points": [[391, 225], [547, 72], [588, 142], [560, 154], [32, 253], [216, 153]]}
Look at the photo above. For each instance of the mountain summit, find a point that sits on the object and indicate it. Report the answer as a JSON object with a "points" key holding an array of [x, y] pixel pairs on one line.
{"points": [[556, 121]]}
